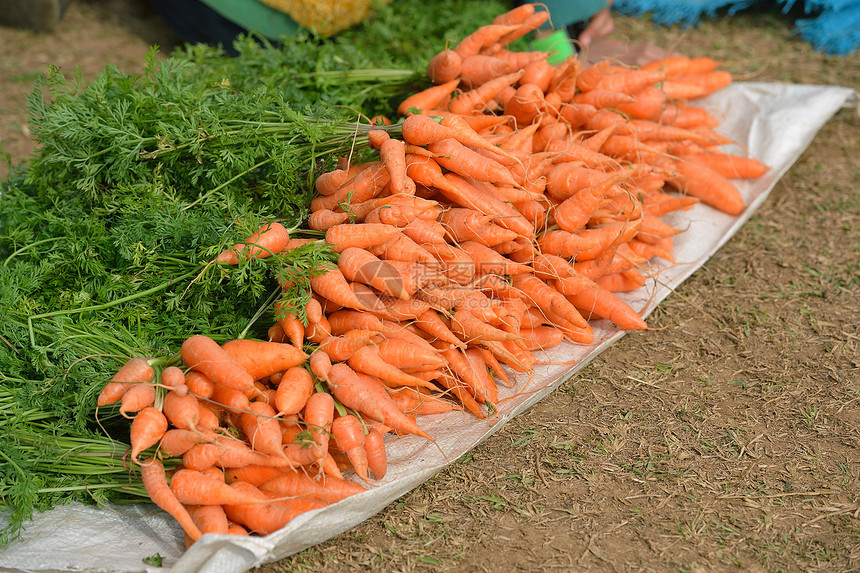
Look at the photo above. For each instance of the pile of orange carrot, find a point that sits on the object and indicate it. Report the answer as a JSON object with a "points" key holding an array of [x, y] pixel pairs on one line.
{"points": [[519, 199]]}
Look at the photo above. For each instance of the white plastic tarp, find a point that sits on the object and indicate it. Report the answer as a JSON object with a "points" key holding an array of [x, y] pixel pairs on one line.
{"points": [[774, 123]]}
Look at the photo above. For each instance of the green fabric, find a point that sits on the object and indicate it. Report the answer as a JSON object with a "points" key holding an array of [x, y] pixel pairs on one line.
{"points": [[565, 12], [255, 16], [558, 44]]}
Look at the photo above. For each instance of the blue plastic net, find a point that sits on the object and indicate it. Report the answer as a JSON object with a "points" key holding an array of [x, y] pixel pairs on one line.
{"points": [[833, 26]]}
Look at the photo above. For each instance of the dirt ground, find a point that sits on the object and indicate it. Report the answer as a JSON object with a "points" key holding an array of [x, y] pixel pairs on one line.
{"points": [[727, 438]]}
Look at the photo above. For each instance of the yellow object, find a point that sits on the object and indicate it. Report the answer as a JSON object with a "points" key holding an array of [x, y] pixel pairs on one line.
{"points": [[323, 16]]}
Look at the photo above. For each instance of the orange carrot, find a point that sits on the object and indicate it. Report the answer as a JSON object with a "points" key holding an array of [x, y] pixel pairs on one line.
{"points": [[147, 428], [624, 281], [367, 360], [365, 185], [351, 390], [137, 398], [320, 364], [442, 68], [709, 186], [261, 358], [359, 265], [541, 337], [526, 104], [456, 157], [677, 65], [329, 182], [268, 240], [478, 69], [297, 483], [630, 81], [573, 213], [589, 77], [348, 435], [294, 389], [176, 442], [682, 91], [391, 414], [318, 416], [483, 37], [204, 355], [374, 448], [264, 515], [196, 488], [262, 429], [135, 371], [409, 355], [601, 303], [324, 219], [360, 236], [730, 166], [477, 100], [333, 286], [210, 518], [255, 475], [181, 411], [393, 155], [155, 483], [711, 81]]}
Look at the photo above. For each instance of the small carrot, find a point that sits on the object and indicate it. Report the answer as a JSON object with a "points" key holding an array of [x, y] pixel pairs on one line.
{"points": [[456, 157], [432, 324], [541, 337], [409, 355], [196, 488], [367, 360], [360, 236], [203, 354], [391, 414], [299, 484], [147, 428], [604, 304], [365, 185], [442, 69], [261, 358], [181, 411], [589, 77], [483, 37], [210, 518], [348, 435], [324, 219], [136, 370], [624, 281], [137, 398], [270, 239], [294, 389], [154, 482], [730, 166], [262, 429], [478, 69], [329, 182], [176, 441], [255, 475], [527, 104], [377, 459], [359, 265], [263, 515], [709, 186], [630, 81], [392, 153], [352, 391]]}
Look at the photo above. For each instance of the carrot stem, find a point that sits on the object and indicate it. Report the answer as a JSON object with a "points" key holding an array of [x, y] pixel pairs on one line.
{"points": [[103, 306]]}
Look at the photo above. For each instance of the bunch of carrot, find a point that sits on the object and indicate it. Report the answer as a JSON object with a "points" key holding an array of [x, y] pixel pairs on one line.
{"points": [[518, 200]]}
